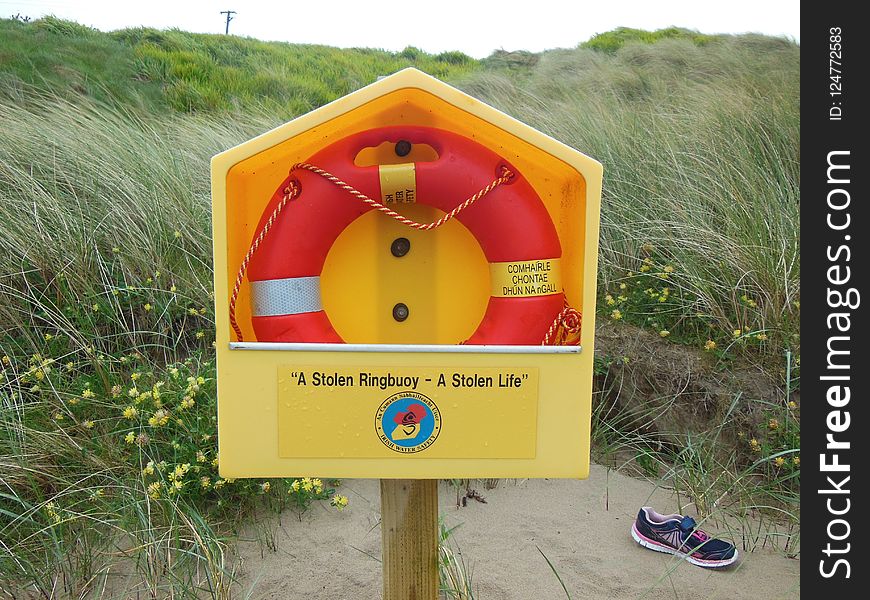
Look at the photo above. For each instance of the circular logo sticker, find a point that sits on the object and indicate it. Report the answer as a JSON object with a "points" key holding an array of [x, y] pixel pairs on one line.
{"points": [[408, 422]]}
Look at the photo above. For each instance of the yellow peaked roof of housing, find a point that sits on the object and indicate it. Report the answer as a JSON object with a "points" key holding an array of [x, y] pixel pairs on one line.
{"points": [[409, 78]]}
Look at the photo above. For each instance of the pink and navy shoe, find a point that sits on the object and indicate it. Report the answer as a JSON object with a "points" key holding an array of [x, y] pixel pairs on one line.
{"points": [[676, 534]]}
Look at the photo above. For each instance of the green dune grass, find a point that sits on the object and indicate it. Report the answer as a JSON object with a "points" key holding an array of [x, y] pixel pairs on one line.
{"points": [[107, 433]]}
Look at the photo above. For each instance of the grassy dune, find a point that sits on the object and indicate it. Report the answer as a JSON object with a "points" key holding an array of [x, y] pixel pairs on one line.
{"points": [[107, 430], [187, 72]]}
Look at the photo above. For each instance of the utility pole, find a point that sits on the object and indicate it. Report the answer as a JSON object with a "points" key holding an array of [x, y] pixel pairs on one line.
{"points": [[229, 14]]}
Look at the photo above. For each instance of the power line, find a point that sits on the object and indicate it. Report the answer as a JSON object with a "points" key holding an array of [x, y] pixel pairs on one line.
{"points": [[229, 14]]}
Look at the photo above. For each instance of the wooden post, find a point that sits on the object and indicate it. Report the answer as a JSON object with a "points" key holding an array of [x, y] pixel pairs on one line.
{"points": [[409, 537]]}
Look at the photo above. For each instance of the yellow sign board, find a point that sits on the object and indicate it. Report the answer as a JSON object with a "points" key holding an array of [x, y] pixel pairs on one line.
{"points": [[398, 412], [384, 373]]}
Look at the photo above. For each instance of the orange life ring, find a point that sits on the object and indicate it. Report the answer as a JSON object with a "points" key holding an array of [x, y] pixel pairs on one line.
{"points": [[511, 225]]}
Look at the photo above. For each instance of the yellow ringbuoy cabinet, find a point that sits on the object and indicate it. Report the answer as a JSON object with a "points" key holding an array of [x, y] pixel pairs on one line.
{"points": [[402, 397]]}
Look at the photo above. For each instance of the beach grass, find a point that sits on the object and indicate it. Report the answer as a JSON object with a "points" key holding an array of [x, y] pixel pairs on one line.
{"points": [[107, 437]]}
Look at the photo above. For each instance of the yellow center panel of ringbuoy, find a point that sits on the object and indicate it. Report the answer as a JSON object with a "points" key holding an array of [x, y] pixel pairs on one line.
{"points": [[406, 413], [442, 279]]}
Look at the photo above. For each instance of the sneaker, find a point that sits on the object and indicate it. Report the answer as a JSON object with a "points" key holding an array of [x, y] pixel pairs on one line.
{"points": [[676, 534]]}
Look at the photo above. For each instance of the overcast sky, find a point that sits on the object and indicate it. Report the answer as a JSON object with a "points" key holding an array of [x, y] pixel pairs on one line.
{"points": [[474, 27]]}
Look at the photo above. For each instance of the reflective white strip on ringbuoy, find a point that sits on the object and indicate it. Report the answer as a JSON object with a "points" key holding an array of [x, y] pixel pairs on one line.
{"points": [[292, 296]]}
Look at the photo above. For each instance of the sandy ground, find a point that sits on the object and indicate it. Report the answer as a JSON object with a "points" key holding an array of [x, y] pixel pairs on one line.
{"points": [[581, 526]]}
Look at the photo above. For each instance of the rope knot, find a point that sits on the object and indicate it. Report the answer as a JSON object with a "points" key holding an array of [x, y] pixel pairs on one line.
{"points": [[293, 189], [571, 320], [565, 329]]}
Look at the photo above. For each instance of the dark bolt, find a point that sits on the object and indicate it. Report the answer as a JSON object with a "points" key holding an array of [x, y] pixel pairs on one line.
{"points": [[403, 148], [400, 312], [400, 247]]}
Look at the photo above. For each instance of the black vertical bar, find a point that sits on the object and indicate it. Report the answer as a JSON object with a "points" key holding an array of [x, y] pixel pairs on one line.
{"points": [[835, 230]]}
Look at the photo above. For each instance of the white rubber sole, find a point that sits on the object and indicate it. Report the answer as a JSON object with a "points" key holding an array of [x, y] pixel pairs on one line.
{"points": [[652, 545]]}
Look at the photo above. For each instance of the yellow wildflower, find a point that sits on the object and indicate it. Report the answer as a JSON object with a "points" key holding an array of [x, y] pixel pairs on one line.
{"points": [[73, 401], [709, 345], [761, 337], [154, 489], [737, 333], [265, 487], [48, 337], [88, 424], [88, 393], [173, 289], [773, 424], [51, 510], [622, 286], [668, 269], [200, 334], [130, 437], [307, 484], [147, 306], [792, 404], [205, 482], [192, 312], [616, 315], [149, 468], [609, 300], [6, 360], [219, 484], [339, 501], [664, 333], [215, 462], [754, 445], [159, 418], [200, 456], [644, 268], [796, 461], [177, 234], [779, 461], [294, 487], [131, 412], [58, 416]]}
